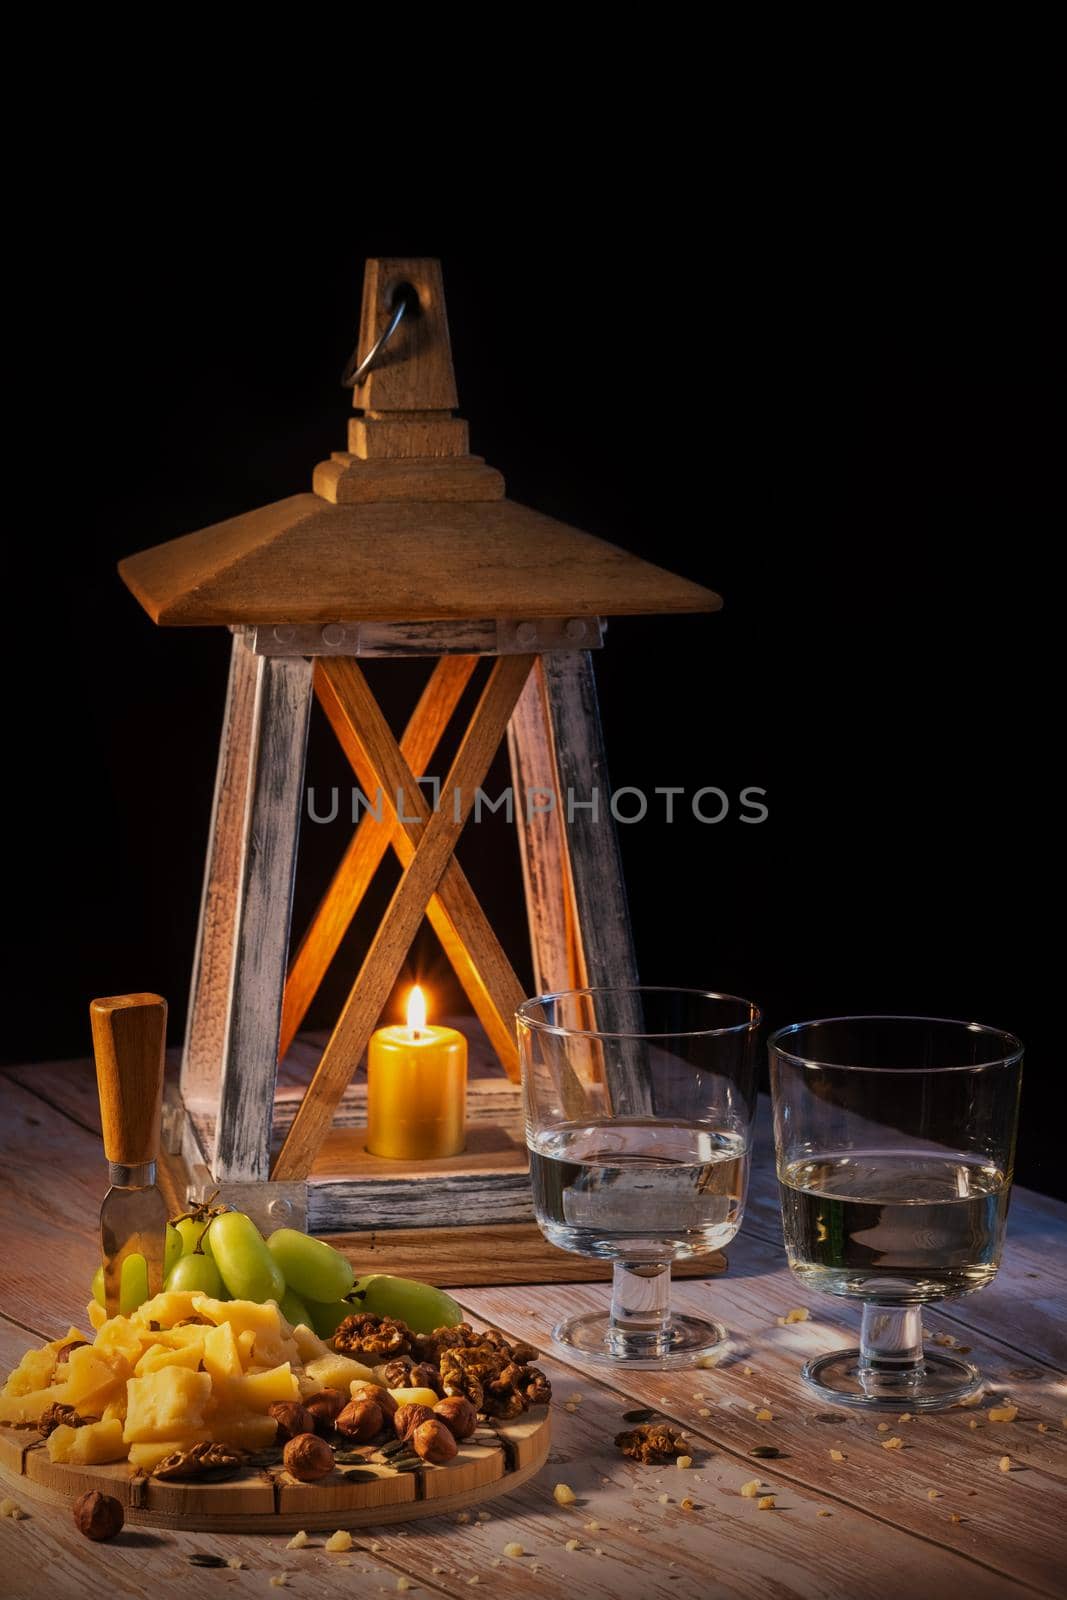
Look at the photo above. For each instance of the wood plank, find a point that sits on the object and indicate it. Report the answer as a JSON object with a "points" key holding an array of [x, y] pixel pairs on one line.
{"points": [[209, 990], [393, 939], [558, 957], [456, 917], [350, 478], [602, 918], [264, 906], [414, 372], [1007, 1519], [369, 842]]}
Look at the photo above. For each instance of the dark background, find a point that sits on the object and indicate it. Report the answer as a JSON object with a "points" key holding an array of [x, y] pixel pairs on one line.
{"points": [[827, 396]]}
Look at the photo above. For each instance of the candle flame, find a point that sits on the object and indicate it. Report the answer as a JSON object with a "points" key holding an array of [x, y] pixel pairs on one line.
{"points": [[416, 1010]]}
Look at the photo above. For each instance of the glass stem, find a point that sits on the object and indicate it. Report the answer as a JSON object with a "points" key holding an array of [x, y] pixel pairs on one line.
{"points": [[641, 1309], [891, 1348]]}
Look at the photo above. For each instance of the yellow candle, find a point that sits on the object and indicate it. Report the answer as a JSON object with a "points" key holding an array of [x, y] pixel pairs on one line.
{"points": [[416, 1089]]}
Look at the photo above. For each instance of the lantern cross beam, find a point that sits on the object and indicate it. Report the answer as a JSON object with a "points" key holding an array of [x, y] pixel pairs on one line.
{"points": [[454, 912], [371, 839], [421, 879]]}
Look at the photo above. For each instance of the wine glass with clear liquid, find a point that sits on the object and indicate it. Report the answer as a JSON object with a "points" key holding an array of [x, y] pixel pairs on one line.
{"points": [[895, 1140], [639, 1105]]}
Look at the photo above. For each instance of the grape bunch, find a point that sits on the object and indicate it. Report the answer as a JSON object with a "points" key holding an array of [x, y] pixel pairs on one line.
{"points": [[222, 1253]]}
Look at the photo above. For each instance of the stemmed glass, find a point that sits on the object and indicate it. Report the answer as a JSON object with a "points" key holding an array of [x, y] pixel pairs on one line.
{"points": [[639, 1106], [895, 1140]]}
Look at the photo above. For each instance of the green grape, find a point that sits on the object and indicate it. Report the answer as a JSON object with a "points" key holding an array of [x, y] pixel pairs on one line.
{"points": [[421, 1306], [199, 1274], [294, 1310], [326, 1319], [248, 1269], [173, 1252], [310, 1267], [133, 1288], [190, 1231]]}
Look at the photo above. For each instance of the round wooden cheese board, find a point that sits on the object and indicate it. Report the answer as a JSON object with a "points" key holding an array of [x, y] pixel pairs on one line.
{"points": [[499, 1457]]}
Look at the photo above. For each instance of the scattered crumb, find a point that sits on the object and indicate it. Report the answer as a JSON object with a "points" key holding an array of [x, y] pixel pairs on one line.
{"points": [[10, 1508], [765, 1415], [686, 1504], [234, 1563], [475, 1579], [945, 1339], [1042, 1427], [708, 1361], [837, 1455], [592, 1527], [683, 1461], [895, 1443], [341, 1540], [704, 1412], [298, 1541], [1004, 1464], [597, 1551], [824, 1513], [438, 1572], [973, 1423], [751, 1489], [747, 1371], [765, 1502], [883, 1427], [955, 1517], [403, 1584], [279, 1580], [905, 1416], [514, 1550], [462, 1516], [933, 1494], [570, 1406], [573, 1544], [376, 1544], [1003, 1413], [664, 1499], [574, 1399], [798, 1314], [564, 1495], [483, 1516]]}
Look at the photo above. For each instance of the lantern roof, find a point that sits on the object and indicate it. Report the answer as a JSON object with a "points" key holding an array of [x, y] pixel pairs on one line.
{"points": [[406, 525]]}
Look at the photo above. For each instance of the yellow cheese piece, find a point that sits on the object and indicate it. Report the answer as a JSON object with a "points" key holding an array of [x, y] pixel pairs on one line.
{"points": [[87, 1446], [246, 1430], [146, 1456], [124, 1337], [272, 1345], [256, 1391], [310, 1346], [19, 1408], [338, 1372], [222, 1358], [96, 1314], [115, 1410], [172, 1306], [161, 1355], [415, 1397], [95, 1375], [168, 1404], [33, 1372]]}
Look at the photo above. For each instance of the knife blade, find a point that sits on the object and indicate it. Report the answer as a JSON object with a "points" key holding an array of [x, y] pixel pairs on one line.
{"points": [[129, 1041]]}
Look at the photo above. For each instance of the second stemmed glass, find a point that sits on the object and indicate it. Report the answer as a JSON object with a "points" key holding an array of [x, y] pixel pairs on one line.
{"points": [[895, 1139], [639, 1106]]}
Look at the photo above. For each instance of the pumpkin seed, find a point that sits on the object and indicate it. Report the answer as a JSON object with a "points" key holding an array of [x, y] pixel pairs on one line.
{"points": [[767, 1452], [643, 1415], [201, 1559]]}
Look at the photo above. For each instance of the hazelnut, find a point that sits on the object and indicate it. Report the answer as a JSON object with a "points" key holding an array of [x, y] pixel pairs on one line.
{"points": [[360, 1420], [458, 1415], [292, 1418], [375, 1392], [434, 1442], [98, 1516], [325, 1407], [308, 1457], [408, 1417], [425, 1376]]}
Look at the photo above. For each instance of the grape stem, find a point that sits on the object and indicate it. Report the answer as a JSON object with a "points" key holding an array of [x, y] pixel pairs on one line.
{"points": [[204, 1211]]}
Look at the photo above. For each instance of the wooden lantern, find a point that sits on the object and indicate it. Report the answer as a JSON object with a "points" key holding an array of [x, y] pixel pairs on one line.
{"points": [[406, 547]]}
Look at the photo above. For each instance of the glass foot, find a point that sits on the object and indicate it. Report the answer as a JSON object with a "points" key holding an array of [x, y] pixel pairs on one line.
{"points": [[676, 1343], [934, 1382]]}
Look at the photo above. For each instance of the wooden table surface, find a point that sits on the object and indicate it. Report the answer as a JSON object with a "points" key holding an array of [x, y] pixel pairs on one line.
{"points": [[934, 1518]]}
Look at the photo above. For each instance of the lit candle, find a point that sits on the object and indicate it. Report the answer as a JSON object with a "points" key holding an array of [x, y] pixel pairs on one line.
{"points": [[416, 1089]]}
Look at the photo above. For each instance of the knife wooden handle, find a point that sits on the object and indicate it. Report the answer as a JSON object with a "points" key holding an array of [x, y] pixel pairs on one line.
{"points": [[129, 1041]]}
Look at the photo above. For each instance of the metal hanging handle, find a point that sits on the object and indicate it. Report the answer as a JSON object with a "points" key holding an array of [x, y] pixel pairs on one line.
{"points": [[354, 375]]}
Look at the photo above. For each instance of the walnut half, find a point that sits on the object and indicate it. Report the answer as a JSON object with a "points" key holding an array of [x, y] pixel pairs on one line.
{"points": [[213, 1461], [651, 1442]]}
